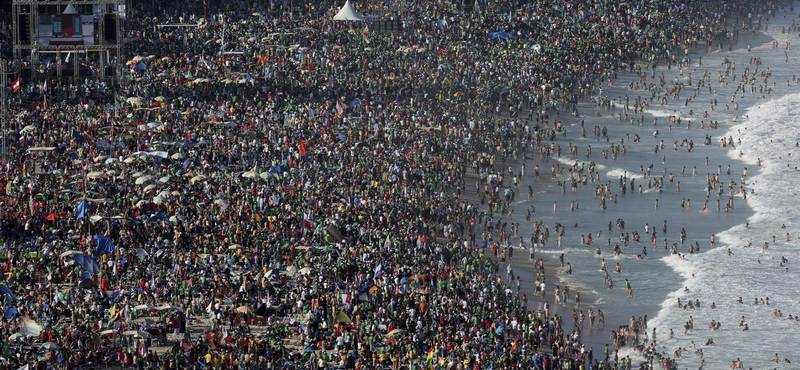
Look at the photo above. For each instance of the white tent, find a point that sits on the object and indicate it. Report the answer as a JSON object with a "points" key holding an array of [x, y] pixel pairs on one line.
{"points": [[69, 10], [348, 13]]}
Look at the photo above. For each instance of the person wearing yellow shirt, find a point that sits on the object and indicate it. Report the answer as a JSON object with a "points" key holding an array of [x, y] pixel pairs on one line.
{"points": [[208, 358]]}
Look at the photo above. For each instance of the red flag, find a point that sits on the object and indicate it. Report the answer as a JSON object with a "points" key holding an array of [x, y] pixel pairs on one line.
{"points": [[302, 148], [15, 85]]}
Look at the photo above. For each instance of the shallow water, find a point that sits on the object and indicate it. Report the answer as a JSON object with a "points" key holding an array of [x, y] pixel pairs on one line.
{"points": [[659, 279]]}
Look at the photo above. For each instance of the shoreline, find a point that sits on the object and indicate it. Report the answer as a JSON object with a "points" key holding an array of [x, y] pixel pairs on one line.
{"points": [[598, 336]]}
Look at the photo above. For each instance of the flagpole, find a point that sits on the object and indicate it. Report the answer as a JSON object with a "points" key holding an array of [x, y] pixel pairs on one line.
{"points": [[4, 116]]}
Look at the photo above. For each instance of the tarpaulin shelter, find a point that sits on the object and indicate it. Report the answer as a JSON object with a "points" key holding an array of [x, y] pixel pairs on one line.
{"points": [[501, 35]]}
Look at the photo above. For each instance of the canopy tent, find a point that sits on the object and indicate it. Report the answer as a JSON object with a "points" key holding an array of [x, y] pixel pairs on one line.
{"points": [[348, 13]]}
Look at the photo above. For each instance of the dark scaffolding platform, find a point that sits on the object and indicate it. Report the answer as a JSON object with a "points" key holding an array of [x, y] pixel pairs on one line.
{"points": [[107, 42]]}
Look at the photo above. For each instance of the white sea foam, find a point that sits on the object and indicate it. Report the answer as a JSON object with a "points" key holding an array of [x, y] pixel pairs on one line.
{"points": [[713, 276], [617, 172]]}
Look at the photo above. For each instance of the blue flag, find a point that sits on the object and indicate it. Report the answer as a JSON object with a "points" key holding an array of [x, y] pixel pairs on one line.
{"points": [[81, 209]]}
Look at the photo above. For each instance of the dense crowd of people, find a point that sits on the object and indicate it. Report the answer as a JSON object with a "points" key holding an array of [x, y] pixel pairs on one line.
{"points": [[272, 189]]}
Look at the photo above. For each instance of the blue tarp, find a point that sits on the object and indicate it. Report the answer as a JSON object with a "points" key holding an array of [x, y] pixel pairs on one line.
{"points": [[104, 244], [87, 263], [501, 35]]}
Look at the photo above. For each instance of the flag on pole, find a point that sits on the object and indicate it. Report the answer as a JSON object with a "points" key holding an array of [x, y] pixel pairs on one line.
{"points": [[15, 85], [302, 148], [308, 221], [339, 106], [378, 271]]}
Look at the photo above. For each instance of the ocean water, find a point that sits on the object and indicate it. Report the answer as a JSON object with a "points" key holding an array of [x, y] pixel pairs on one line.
{"points": [[769, 129]]}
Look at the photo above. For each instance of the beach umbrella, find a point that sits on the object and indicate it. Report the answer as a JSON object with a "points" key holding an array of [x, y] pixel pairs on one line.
{"points": [[198, 178], [17, 336], [291, 270], [143, 179], [50, 346], [395, 332], [134, 100], [149, 188], [163, 180], [178, 156], [249, 174], [305, 271], [243, 309], [27, 129], [141, 253], [342, 317]]}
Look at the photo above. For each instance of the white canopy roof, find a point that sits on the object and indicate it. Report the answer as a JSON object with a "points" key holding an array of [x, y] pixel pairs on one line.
{"points": [[69, 10], [348, 13]]}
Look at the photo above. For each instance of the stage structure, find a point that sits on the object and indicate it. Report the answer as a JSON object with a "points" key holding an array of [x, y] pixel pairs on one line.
{"points": [[69, 39]]}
